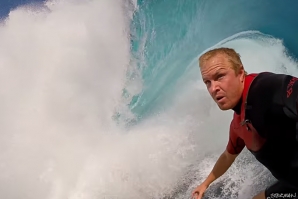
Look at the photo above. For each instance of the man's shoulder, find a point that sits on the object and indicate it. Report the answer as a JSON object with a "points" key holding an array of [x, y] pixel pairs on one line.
{"points": [[269, 76], [266, 84], [265, 97]]}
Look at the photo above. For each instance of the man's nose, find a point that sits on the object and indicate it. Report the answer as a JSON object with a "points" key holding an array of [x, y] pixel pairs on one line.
{"points": [[214, 87]]}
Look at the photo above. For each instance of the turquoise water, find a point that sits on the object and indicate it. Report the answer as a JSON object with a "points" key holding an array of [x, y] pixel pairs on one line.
{"points": [[169, 35]]}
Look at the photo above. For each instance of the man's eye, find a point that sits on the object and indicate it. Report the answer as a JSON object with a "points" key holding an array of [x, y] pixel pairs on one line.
{"points": [[220, 76], [207, 83]]}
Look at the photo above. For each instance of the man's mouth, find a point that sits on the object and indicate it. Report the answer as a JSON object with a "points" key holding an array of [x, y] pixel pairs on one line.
{"points": [[219, 98]]}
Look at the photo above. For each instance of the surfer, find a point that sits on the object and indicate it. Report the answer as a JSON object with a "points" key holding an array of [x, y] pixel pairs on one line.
{"points": [[265, 120]]}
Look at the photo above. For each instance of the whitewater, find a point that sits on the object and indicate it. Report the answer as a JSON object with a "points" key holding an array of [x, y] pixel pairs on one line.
{"points": [[85, 117]]}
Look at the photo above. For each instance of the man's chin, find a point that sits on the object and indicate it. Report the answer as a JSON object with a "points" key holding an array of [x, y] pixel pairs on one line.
{"points": [[224, 107]]}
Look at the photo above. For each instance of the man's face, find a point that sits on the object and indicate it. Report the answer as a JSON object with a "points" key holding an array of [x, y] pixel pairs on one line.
{"points": [[223, 84]]}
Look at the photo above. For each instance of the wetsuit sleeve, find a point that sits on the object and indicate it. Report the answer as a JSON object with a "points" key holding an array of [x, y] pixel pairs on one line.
{"points": [[289, 95], [235, 144]]}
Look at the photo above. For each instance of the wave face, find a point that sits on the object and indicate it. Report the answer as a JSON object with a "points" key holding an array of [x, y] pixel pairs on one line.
{"points": [[171, 34], [103, 99]]}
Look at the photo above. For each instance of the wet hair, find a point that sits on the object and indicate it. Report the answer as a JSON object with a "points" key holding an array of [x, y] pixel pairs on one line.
{"points": [[231, 54]]}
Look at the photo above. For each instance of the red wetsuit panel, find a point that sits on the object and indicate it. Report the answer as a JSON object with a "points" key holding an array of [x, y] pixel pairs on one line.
{"points": [[240, 137], [236, 143], [243, 135]]}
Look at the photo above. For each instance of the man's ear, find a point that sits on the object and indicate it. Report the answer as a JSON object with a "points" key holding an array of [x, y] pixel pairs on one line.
{"points": [[242, 74]]}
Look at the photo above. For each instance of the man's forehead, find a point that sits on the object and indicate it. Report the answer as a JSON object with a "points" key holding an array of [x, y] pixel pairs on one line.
{"points": [[215, 65], [214, 70], [218, 57]]}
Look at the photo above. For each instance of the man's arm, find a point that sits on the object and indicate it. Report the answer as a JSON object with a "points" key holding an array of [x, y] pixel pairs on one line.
{"points": [[223, 163], [233, 149], [221, 166], [225, 160]]}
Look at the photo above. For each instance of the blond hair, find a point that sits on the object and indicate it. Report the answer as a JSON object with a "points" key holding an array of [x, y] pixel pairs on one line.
{"points": [[231, 54]]}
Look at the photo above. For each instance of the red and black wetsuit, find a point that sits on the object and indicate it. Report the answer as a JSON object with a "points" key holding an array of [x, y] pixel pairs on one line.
{"points": [[265, 122]]}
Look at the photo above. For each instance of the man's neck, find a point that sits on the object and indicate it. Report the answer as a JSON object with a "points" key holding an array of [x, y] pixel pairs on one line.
{"points": [[237, 108]]}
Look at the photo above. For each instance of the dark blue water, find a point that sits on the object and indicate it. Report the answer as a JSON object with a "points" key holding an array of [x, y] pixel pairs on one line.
{"points": [[7, 5]]}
